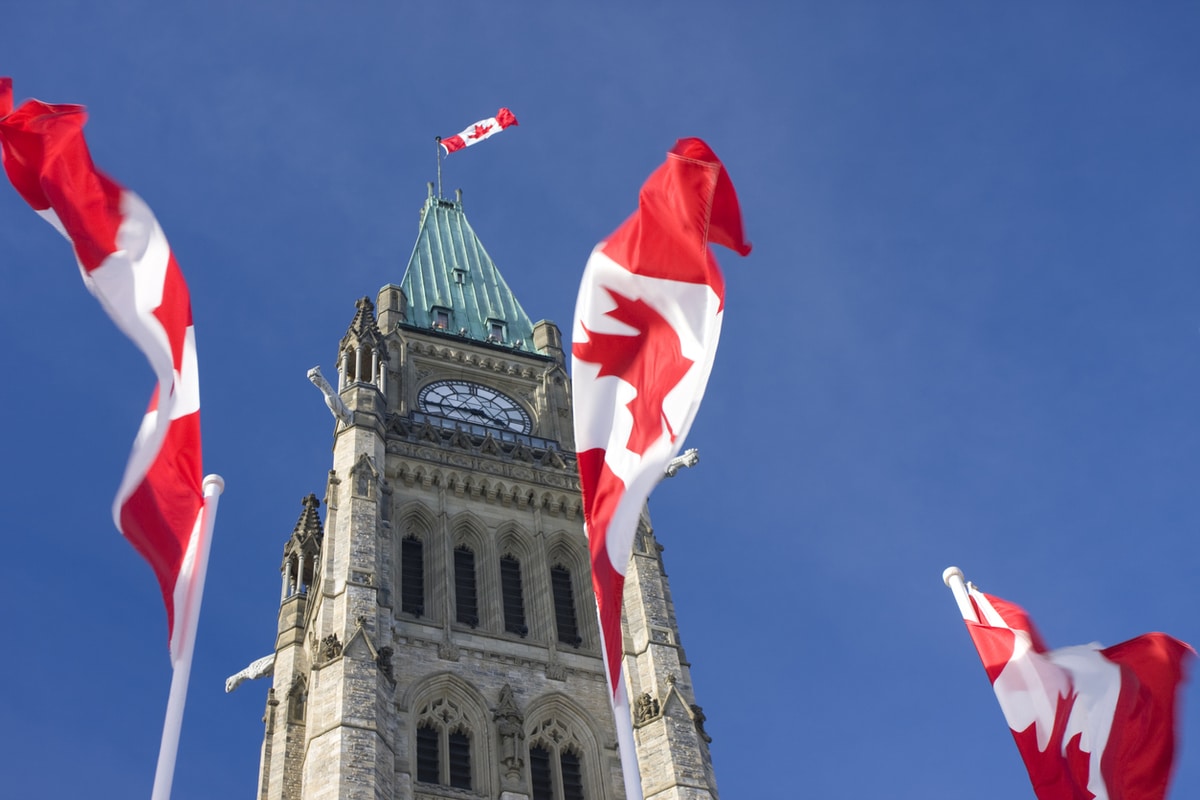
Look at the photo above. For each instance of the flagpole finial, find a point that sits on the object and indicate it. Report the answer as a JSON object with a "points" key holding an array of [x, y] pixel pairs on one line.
{"points": [[953, 578], [213, 484]]}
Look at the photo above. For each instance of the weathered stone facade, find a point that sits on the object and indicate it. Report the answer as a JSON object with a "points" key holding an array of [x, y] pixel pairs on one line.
{"points": [[437, 633]]}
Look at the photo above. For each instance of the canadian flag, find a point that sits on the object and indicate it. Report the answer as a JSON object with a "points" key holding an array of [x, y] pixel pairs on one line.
{"points": [[1090, 722], [481, 130], [647, 322], [127, 264]]}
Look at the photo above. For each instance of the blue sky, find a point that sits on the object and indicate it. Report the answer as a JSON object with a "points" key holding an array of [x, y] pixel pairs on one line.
{"points": [[969, 334]]}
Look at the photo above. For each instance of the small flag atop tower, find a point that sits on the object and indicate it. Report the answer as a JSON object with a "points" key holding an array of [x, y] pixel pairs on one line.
{"points": [[479, 131]]}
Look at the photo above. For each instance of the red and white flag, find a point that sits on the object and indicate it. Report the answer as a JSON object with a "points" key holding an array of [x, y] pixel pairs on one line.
{"points": [[481, 130], [647, 322], [1090, 722], [127, 264]]}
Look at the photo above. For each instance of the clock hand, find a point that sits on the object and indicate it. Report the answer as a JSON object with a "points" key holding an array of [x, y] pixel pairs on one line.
{"points": [[475, 412], [450, 408]]}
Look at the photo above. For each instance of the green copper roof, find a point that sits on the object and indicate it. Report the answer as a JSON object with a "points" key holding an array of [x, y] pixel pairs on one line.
{"points": [[451, 273]]}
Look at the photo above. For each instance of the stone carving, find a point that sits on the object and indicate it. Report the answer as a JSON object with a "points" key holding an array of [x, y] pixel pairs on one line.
{"points": [[558, 482], [490, 446], [331, 497], [460, 439], [257, 669], [397, 425], [447, 651], [645, 709], [332, 399], [510, 725], [384, 662], [269, 714], [690, 458], [331, 647], [429, 434], [699, 718]]}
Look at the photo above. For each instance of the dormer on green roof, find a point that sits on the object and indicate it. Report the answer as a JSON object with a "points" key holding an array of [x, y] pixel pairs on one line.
{"points": [[452, 284]]}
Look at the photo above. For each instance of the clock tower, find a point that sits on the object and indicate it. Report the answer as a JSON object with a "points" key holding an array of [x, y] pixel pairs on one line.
{"points": [[437, 634]]}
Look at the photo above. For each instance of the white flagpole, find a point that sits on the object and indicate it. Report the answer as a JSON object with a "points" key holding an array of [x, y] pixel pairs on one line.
{"points": [[622, 720], [165, 773], [626, 746], [953, 578]]}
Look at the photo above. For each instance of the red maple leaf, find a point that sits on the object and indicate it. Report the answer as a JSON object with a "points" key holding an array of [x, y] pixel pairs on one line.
{"points": [[1060, 772], [479, 131], [651, 361]]}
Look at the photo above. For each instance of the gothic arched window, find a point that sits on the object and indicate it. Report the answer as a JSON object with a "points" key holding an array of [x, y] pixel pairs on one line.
{"points": [[444, 746], [466, 599], [565, 622], [297, 698], [412, 576], [555, 768], [511, 595]]}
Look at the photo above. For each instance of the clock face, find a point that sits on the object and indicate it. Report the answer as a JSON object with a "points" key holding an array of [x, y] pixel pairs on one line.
{"points": [[474, 403]]}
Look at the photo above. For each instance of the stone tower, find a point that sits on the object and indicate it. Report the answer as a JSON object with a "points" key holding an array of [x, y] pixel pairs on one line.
{"points": [[437, 632]]}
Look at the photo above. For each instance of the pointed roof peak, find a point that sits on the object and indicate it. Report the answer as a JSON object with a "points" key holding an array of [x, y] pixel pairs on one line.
{"points": [[307, 534], [364, 318], [452, 284], [364, 327]]}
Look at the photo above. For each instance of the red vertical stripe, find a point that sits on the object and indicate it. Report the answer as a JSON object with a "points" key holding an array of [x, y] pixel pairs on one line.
{"points": [[684, 205], [47, 160], [604, 491], [1141, 748]]}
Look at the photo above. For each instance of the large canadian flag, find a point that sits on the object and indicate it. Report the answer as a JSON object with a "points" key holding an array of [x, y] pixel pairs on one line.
{"points": [[1090, 722], [647, 322], [127, 264]]}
